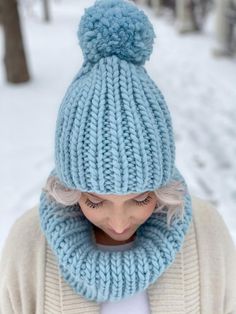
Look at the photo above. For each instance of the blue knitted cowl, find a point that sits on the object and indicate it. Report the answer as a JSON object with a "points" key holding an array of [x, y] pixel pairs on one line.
{"points": [[111, 276]]}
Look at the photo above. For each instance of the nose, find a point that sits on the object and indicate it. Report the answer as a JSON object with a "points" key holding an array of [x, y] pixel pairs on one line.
{"points": [[119, 230], [119, 225]]}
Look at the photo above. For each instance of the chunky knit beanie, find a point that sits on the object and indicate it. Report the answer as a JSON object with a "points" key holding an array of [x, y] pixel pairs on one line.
{"points": [[114, 132]]}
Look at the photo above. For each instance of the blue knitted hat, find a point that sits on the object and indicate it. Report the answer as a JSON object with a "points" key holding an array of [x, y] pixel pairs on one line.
{"points": [[114, 132]]}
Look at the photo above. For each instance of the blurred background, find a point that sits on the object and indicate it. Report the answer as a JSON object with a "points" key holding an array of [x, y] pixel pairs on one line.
{"points": [[193, 63]]}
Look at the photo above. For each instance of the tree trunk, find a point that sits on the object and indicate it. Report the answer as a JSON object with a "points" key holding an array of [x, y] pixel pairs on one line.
{"points": [[185, 18], [225, 24], [14, 57], [156, 5], [0, 13], [46, 14]]}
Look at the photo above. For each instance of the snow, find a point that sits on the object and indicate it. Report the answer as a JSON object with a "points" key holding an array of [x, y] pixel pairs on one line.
{"points": [[199, 90]]}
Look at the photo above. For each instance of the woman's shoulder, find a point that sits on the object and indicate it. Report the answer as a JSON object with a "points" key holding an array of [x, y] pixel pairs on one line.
{"points": [[216, 258], [203, 208], [209, 223], [25, 241], [25, 231], [210, 235], [22, 265], [27, 223]]}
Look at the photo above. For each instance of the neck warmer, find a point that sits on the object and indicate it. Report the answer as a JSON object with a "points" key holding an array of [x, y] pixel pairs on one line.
{"points": [[100, 275]]}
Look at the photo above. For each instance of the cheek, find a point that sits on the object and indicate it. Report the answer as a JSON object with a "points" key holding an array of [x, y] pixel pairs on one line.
{"points": [[146, 212], [91, 214], [141, 213]]}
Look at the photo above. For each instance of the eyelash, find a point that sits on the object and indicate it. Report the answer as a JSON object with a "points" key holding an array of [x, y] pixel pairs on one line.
{"points": [[139, 203]]}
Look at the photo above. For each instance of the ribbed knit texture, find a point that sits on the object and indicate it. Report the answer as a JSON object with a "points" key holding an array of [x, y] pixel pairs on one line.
{"points": [[110, 276], [114, 131], [176, 292]]}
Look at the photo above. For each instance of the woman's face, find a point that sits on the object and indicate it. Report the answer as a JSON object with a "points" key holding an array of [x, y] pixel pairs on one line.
{"points": [[112, 214]]}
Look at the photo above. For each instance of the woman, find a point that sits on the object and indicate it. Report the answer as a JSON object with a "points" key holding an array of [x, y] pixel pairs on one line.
{"points": [[116, 229]]}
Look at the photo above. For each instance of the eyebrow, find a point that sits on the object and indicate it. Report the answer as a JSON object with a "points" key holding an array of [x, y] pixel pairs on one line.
{"points": [[104, 199]]}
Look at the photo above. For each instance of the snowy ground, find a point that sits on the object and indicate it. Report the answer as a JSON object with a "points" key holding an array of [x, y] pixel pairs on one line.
{"points": [[199, 90]]}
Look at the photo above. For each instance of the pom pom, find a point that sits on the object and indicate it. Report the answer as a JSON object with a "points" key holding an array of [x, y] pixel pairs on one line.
{"points": [[115, 27]]}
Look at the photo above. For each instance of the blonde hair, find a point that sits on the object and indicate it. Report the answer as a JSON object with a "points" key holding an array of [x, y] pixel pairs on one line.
{"points": [[170, 198]]}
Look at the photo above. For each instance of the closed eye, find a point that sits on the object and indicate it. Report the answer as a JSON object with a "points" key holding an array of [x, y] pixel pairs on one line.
{"points": [[144, 202], [139, 203]]}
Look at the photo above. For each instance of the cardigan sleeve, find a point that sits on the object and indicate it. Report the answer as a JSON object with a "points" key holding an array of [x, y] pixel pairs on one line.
{"points": [[22, 267], [217, 260], [5, 304]]}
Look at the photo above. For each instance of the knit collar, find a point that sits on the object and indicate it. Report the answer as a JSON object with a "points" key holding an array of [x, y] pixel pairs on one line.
{"points": [[100, 275]]}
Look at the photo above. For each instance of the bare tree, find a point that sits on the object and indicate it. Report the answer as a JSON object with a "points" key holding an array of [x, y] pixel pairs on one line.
{"points": [[225, 24], [185, 21], [14, 56], [191, 14], [46, 10], [0, 14], [156, 5]]}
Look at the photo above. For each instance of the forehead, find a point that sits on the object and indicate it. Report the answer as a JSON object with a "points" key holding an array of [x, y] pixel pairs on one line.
{"points": [[117, 196]]}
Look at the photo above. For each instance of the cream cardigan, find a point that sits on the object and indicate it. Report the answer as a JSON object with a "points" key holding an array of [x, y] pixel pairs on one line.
{"points": [[202, 278]]}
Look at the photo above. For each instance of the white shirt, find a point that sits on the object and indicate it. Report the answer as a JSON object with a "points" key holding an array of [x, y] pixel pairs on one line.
{"points": [[138, 303]]}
